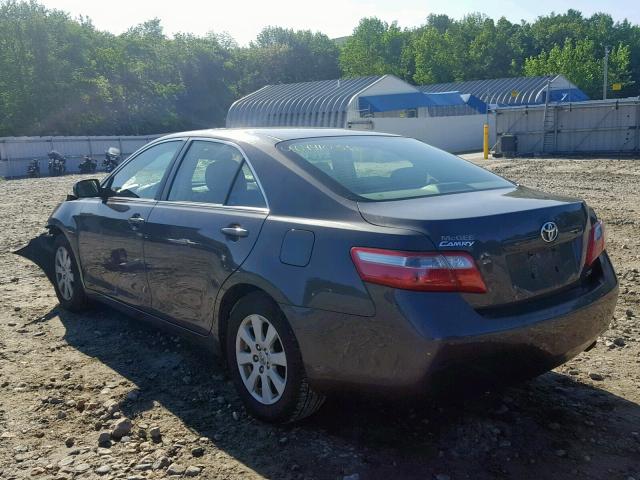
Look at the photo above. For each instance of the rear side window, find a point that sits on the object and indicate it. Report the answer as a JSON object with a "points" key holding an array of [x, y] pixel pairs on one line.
{"points": [[216, 173], [206, 173], [388, 168], [246, 191]]}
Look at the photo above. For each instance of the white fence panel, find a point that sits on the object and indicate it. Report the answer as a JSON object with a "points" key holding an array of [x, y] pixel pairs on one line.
{"points": [[17, 152], [455, 134], [599, 126]]}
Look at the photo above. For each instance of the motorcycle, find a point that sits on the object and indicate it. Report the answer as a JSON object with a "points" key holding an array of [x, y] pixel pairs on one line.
{"points": [[111, 159], [57, 163], [88, 165], [33, 169]]}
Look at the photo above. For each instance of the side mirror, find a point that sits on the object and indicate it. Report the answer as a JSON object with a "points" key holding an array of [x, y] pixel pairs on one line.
{"points": [[89, 188]]}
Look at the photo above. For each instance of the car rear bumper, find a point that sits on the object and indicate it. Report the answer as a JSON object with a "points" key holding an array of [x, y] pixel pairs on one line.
{"points": [[417, 339]]}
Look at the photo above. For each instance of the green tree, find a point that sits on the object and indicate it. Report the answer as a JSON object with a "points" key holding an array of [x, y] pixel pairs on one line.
{"points": [[280, 55], [476, 47], [554, 29], [60, 75], [376, 48], [44, 56], [207, 80], [579, 62], [434, 62]]}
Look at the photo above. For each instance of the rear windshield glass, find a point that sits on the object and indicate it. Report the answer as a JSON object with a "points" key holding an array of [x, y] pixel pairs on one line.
{"points": [[388, 168]]}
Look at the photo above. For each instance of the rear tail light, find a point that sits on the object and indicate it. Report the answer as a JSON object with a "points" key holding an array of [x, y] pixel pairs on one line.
{"points": [[596, 243], [433, 271]]}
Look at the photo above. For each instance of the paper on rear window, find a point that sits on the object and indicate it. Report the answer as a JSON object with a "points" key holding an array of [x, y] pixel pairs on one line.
{"points": [[379, 168]]}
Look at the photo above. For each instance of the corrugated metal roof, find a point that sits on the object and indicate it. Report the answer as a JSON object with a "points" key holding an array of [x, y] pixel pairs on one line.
{"points": [[511, 91], [409, 100], [316, 104]]}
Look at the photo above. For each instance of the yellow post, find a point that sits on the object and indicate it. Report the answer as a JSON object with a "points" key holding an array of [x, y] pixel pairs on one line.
{"points": [[485, 141]]}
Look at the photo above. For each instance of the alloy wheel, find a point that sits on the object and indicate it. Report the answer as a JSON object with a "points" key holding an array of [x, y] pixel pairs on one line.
{"points": [[261, 359], [64, 273]]}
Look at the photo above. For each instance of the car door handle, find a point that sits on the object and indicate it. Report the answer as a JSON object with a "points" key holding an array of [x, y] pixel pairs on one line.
{"points": [[235, 231], [136, 220]]}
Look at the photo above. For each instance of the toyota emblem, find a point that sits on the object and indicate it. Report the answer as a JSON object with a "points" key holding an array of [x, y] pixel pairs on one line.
{"points": [[549, 232]]}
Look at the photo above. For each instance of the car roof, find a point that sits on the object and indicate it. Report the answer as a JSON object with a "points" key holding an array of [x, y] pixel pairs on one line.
{"points": [[273, 135]]}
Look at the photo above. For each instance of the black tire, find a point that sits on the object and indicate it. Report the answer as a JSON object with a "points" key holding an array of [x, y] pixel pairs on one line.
{"points": [[298, 400], [76, 299]]}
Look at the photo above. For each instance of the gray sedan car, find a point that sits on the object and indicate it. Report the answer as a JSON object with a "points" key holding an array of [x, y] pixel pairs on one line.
{"points": [[316, 259]]}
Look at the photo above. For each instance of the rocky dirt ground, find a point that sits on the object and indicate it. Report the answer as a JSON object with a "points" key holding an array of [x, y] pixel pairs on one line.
{"points": [[68, 382]]}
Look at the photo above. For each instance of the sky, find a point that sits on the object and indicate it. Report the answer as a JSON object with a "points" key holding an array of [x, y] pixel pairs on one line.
{"points": [[243, 19]]}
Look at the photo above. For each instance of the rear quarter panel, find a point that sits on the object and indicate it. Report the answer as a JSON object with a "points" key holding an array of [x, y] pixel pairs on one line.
{"points": [[297, 201], [329, 281]]}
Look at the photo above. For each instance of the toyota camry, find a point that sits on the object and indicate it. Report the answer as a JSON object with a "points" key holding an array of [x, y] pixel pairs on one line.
{"points": [[316, 260]]}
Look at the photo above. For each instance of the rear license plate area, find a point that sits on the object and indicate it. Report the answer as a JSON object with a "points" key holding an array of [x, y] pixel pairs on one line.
{"points": [[543, 268]]}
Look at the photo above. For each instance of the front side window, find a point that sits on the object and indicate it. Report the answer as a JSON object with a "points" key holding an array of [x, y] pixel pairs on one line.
{"points": [[217, 173], [378, 168], [141, 176]]}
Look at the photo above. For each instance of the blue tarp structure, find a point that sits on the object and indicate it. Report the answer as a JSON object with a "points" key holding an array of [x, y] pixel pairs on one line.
{"points": [[397, 101], [568, 95], [403, 101], [514, 91], [471, 100]]}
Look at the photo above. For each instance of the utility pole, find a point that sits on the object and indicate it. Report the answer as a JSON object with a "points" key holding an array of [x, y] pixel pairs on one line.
{"points": [[606, 73]]}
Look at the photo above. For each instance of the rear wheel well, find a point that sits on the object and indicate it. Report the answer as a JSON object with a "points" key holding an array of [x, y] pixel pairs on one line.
{"points": [[230, 299]]}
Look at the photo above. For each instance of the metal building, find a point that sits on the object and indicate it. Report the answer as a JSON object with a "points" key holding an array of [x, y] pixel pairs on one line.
{"points": [[345, 103], [381, 103], [435, 114], [318, 104], [514, 91]]}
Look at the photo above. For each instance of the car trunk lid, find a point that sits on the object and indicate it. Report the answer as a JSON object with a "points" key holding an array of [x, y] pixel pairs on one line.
{"points": [[501, 228]]}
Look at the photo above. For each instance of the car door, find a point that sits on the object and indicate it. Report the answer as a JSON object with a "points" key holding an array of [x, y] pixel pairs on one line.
{"points": [[202, 231], [110, 232]]}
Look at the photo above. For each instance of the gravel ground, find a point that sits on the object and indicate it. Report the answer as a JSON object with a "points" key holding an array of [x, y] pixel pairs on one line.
{"points": [[67, 381]]}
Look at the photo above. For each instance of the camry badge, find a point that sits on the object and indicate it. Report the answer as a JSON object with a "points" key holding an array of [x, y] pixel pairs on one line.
{"points": [[549, 232]]}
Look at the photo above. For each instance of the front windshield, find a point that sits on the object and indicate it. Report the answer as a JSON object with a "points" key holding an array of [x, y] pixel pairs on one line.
{"points": [[389, 168]]}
